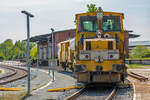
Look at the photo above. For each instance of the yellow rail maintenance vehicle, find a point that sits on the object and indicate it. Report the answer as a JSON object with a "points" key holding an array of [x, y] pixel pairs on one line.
{"points": [[99, 48], [66, 51]]}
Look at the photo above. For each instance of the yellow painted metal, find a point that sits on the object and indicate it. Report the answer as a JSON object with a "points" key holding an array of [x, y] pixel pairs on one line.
{"points": [[72, 56], [100, 45], [126, 84], [67, 51], [64, 51], [102, 78], [91, 34], [91, 65], [10, 89], [64, 89]]}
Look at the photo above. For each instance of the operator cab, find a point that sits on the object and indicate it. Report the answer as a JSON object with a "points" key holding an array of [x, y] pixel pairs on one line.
{"points": [[109, 24]]}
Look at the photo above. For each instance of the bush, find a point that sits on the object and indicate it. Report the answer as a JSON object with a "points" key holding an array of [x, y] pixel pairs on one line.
{"points": [[140, 51]]}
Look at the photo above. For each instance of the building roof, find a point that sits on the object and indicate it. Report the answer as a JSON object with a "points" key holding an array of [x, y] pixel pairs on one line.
{"points": [[40, 37], [44, 37], [133, 35], [135, 43]]}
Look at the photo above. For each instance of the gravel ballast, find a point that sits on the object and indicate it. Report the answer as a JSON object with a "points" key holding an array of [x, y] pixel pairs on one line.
{"points": [[41, 82]]}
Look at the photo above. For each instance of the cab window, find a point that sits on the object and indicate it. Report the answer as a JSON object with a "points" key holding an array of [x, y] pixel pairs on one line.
{"points": [[89, 24], [111, 23]]}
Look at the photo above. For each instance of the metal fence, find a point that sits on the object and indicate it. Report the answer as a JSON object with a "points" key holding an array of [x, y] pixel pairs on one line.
{"points": [[145, 62]]}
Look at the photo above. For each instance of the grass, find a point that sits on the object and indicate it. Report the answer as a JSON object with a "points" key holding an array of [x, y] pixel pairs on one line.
{"points": [[1, 71], [10, 96], [134, 66], [148, 58]]}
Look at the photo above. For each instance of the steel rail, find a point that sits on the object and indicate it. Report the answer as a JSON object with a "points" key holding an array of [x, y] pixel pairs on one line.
{"points": [[19, 74], [137, 76], [111, 94], [76, 94], [9, 74], [80, 92]]}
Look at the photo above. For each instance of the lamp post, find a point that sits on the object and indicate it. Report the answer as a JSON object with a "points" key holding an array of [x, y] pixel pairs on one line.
{"points": [[28, 49], [37, 55], [48, 48], [53, 54]]}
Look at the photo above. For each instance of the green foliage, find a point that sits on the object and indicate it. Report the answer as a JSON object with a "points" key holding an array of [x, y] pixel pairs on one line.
{"points": [[33, 53], [2, 57], [10, 51], [134, 66], [139, 52], [92, 8], [5, 48]]}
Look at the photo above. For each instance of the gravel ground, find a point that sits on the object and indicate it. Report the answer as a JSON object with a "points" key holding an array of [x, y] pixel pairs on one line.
{"points": [[142, 89], [41, 82], [19, 84], [95, 93], [62, 79], [5, 71], [39, 78], [124, 93], [66, 94]]}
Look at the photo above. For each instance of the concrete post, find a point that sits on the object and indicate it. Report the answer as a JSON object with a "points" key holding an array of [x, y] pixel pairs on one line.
{"points": [[53, 49], [48, 47], [37, 55], [28, 49]]}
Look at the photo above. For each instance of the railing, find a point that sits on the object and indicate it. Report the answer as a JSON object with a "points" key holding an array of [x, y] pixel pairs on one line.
{"points": [[144, 61]]}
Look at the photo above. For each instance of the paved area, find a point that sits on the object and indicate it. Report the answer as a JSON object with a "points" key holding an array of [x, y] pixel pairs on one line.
{"points": [[62, 79], [142, 89], [39, 78], [41, 82], [4, 71]]}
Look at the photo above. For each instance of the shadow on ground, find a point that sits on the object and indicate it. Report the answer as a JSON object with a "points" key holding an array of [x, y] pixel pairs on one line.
{"points": [[67, 73]]}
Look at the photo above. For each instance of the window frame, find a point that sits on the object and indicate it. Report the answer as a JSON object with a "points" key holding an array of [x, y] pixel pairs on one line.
{"points": [[94, 18]]}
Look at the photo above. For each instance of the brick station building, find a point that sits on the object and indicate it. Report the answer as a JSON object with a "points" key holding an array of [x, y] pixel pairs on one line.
{"points": [[59, 36]]}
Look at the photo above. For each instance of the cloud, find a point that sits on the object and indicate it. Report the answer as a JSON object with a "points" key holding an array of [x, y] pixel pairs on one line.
{"points": [[80, 1], [21, 3]]}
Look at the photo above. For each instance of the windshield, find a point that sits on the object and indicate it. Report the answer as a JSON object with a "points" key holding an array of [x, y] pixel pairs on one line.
{"points": [[89, 23]]}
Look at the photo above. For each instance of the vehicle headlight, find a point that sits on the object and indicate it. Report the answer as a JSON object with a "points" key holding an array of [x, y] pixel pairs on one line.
{"points": [[113, 54], [80, 68], [118, 68], [84, 56], [99, 68]]}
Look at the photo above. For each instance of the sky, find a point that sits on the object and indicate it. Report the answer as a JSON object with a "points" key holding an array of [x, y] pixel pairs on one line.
{"points": [[60, 15]]}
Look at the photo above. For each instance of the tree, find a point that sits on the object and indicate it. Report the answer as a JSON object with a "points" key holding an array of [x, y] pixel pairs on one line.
{"points": [[2, 57], [6, 47], [33, 53], [20, 49], [140, 51], [10, 51], [92, 8]]}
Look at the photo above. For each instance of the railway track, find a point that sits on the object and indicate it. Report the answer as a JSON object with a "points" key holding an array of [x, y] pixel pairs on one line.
{"points": [[93, 93], [15, 74], [137, 76]]}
